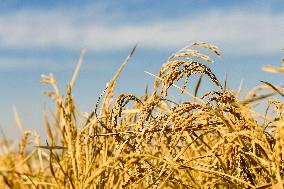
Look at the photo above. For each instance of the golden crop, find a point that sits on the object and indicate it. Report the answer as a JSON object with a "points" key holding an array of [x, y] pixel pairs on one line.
{"points": [[212, 141]]}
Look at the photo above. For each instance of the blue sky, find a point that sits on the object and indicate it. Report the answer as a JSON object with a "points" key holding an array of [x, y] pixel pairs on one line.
{"points": [[38, 37]]}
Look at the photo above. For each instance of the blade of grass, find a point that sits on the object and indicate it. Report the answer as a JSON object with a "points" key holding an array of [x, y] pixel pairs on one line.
{"points": [[75, 74]]}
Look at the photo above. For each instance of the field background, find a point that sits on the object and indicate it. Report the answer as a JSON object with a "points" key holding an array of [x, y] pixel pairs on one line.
{"points": [[138, 95]]}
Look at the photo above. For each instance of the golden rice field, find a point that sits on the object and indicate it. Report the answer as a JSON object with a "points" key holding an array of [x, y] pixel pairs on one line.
{"points": [[213, 140]]}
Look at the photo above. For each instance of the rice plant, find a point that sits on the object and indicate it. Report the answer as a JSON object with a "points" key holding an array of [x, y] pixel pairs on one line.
{"points": [[213, 140]]}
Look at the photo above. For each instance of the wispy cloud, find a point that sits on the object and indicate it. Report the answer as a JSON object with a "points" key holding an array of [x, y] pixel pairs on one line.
{"points": [[25, 64], [236, 31]]}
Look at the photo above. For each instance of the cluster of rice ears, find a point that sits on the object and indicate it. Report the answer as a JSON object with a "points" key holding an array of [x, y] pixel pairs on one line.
{"points": [[214, 140]]}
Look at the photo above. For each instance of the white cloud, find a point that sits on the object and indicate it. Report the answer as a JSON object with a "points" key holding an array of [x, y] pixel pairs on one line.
{"points": [[236, 32]]}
